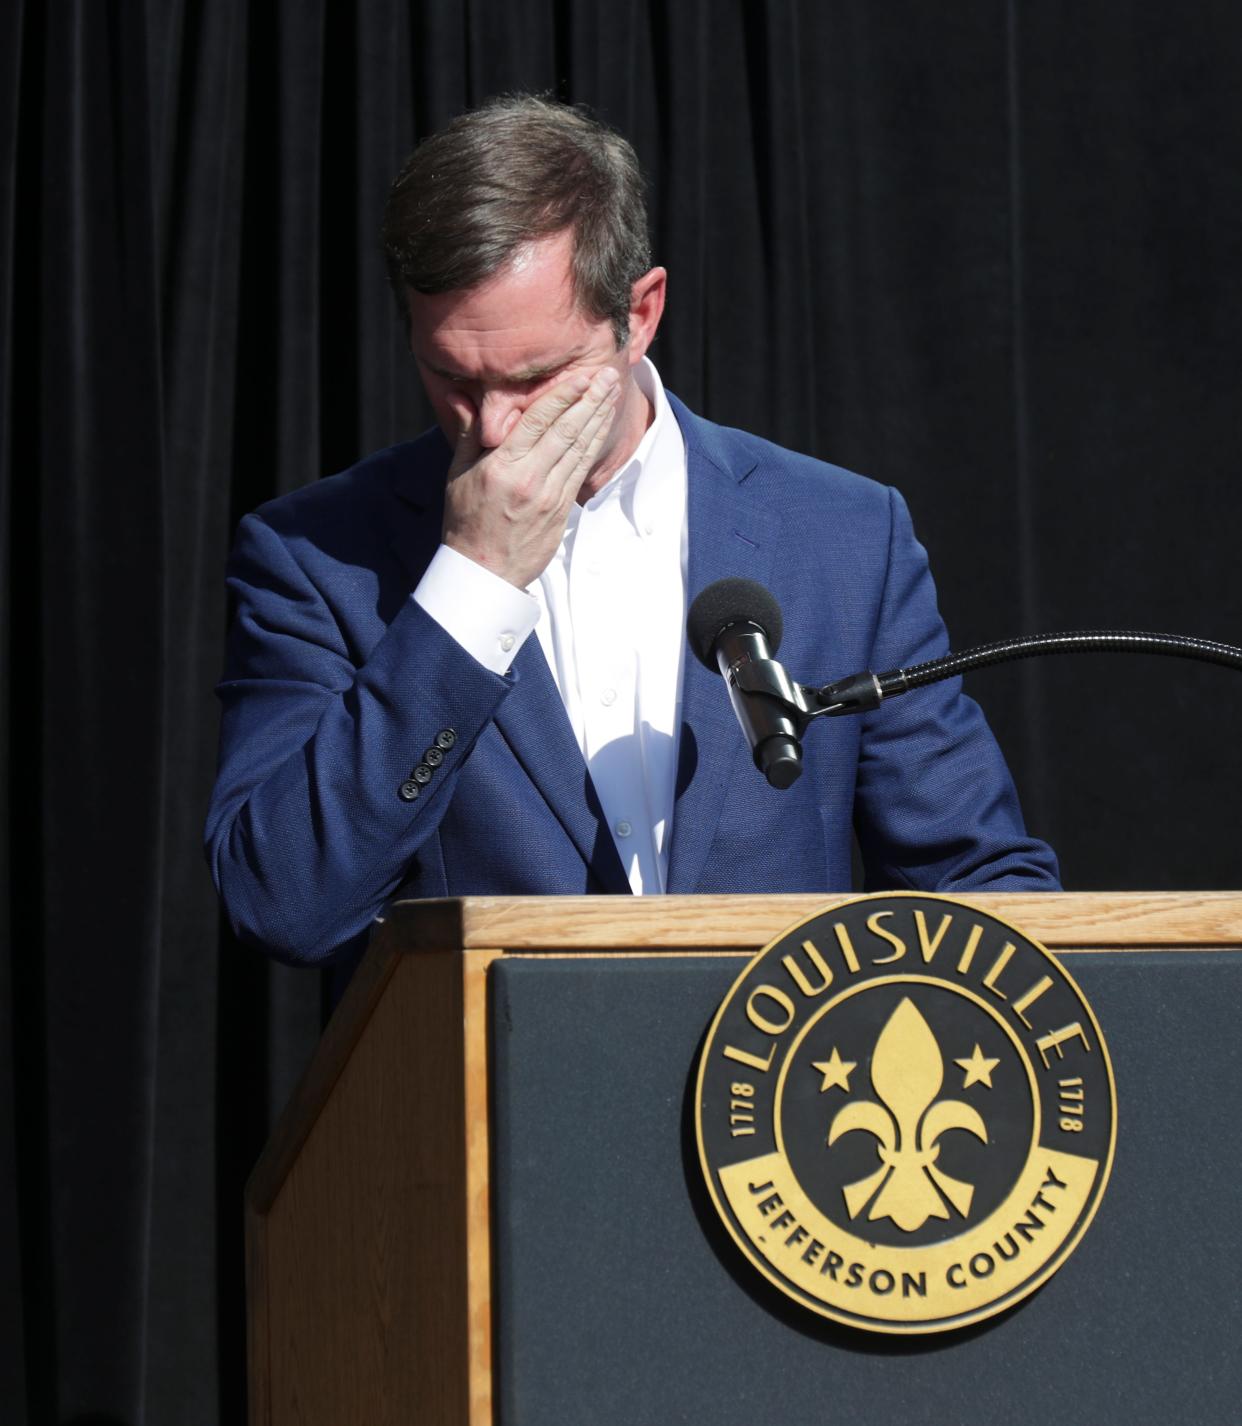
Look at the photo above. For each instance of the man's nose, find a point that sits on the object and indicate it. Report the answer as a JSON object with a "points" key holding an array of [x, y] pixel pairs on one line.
{"points": [[498, 410]]}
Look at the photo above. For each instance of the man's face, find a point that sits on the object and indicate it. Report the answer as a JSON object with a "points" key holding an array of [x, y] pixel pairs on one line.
{"points": [[501, 345]]}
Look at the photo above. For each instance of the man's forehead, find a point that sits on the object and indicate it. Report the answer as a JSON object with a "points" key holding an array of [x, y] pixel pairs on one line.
{"points": [[521, 323], [535, 280], [498, 348]]}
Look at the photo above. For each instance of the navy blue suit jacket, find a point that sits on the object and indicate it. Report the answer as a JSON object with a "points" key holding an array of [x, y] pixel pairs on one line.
{"points": [[337, 682]]}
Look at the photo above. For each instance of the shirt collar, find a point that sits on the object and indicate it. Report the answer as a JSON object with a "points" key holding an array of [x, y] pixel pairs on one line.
{"points": [[642, 485]]}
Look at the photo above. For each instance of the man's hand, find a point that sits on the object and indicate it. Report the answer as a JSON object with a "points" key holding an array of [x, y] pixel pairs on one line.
{"points": [[506, 508]]}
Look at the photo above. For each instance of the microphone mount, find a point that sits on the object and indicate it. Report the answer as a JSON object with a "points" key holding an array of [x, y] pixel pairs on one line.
{"points": [[734, 626], [862, 692], [773, 727]]}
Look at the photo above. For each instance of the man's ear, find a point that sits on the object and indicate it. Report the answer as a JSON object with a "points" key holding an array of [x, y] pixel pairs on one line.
{"points": [[646, 309]]}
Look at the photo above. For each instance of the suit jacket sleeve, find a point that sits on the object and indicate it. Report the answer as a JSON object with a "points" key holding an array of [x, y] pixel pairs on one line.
{"points": [[936, 808], [307, 833]]}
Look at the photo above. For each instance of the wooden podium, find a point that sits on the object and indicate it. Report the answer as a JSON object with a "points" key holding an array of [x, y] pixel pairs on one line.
{"points": [[413, 1249]]}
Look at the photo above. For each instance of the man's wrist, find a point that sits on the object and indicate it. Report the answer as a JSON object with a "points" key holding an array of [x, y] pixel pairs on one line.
{"points": [[489, 617]]}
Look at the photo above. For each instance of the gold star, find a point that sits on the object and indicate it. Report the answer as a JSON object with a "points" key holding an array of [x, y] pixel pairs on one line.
{"points": [[836, 1071], [978, 1069]]}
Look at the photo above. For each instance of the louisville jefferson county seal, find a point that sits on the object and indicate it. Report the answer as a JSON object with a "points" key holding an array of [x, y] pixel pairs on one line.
{"points": [[906, 1113]]}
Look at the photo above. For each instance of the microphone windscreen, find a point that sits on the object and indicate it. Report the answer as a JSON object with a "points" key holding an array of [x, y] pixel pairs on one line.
{"points": [[731, 601]]}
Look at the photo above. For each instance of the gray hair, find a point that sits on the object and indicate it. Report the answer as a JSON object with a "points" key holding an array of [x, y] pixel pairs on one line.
{"points": [[515, 169]]}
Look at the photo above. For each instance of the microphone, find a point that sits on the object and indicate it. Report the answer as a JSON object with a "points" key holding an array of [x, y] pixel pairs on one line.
{"points": [[734, 627]]}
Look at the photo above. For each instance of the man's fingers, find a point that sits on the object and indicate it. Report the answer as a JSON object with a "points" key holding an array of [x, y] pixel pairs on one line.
{"points": [[562, 413], [583, 446], [507, 510]]}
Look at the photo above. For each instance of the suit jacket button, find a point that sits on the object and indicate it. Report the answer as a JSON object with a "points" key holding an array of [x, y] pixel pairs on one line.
{"points": [[445, 739], [433, 757], [408, 791], [421, 774]]}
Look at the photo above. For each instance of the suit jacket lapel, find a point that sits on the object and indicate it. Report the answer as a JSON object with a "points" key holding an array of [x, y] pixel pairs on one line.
{"points": [[731, 533], [534, 723], [532, 720]]}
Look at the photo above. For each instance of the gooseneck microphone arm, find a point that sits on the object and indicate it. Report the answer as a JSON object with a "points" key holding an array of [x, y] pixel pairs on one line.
{"points": [[735, 626], [863, 691]]}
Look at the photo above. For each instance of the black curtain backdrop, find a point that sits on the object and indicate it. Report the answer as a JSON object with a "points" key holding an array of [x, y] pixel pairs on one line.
{"points": [[987, 252]]}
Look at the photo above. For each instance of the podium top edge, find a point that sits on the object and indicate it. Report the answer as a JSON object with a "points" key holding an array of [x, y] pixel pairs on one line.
{"points": [[1096, 919]]}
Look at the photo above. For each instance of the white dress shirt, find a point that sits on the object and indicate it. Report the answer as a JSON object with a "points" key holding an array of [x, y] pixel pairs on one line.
{"points": [[610, 610]]}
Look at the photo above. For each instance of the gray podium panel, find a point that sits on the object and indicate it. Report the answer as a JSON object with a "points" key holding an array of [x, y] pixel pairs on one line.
{"points": [[620, 1301]]}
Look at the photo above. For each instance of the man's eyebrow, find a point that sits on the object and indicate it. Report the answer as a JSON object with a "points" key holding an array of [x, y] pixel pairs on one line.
{"points": [[525, 374], [534, 373]]}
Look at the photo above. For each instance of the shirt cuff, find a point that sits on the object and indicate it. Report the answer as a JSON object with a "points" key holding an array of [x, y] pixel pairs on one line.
{"points": [[489, 617]]}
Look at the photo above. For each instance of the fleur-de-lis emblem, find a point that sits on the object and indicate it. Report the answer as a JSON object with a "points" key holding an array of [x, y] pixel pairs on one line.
{"points": [[907, 1070]]}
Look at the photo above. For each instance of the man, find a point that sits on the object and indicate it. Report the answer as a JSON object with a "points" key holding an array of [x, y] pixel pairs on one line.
{"points": [[458, 668]]}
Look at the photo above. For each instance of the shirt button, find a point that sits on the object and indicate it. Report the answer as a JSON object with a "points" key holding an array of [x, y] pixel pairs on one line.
{"points": [[408, 791], [608, 697], [507, 641], [649, 528], [624, 829]]}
